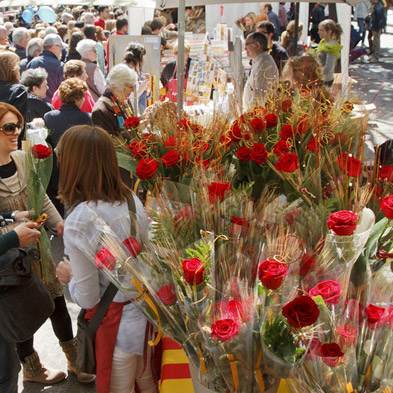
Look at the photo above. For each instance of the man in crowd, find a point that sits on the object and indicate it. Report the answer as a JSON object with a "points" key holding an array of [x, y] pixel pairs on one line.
{"points": [[3, 36], [377, 24], [264, 72], [273, 18], [103, 15], [20, 39], [50, 60], [122, 26], [279, 54]]}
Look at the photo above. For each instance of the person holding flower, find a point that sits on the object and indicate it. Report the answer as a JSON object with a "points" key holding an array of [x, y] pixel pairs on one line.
{"points": [[90, 184], [13, 197]]}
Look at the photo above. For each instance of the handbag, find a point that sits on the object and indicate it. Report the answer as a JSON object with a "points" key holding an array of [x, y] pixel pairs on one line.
{"points": [[85, 337], [25, 303], [171, 87]]}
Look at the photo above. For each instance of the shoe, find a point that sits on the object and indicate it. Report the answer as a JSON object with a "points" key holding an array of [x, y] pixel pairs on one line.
{"points": [[34, 371], [70, 351]]}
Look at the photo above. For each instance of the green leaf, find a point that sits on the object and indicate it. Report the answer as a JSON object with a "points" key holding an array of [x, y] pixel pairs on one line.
{"points": [[126, 162]]}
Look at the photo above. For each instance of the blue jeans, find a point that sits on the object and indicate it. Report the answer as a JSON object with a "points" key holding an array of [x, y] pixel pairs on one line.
{"points": [[9, 367], [362, 28]]}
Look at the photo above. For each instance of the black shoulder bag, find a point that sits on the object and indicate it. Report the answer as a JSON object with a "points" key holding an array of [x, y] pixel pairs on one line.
{"points": [[25, 303], [86, 358]]}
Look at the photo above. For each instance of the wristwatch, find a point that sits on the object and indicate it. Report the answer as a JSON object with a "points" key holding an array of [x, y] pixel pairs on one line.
{"points": [[13, 215]]}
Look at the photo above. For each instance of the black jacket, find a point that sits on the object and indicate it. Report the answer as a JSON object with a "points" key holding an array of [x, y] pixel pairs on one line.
{"points": [[279, 54], [36, 108], [21, 52], [8, 240], [14, 94]]}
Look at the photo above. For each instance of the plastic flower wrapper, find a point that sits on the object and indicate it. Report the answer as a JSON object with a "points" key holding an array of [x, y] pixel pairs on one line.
{"points": [[228, 335], [39, 162]]}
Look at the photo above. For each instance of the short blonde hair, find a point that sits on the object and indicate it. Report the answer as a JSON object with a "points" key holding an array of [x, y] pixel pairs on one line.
{"points": [[72, 90]]}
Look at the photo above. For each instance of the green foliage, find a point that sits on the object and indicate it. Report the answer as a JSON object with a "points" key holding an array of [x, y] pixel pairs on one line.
{"points": [[126, 162], [201, 251]]}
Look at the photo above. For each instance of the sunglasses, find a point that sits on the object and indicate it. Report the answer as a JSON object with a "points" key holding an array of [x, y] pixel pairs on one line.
{"points": [[10, 128]]}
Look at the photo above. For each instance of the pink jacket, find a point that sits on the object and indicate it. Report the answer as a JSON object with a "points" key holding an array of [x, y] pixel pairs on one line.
{"points": [[87, 105]]}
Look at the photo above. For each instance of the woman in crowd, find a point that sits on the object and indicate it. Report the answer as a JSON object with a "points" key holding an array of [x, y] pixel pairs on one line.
{"points": [[34, 48], [95, 78], [247, 24], [91, 186], [35, 79], [73, 54], [134, 59], [92, 32], [13, 197], [113, 108], [329, 48], [288, 39], [75, 69]]}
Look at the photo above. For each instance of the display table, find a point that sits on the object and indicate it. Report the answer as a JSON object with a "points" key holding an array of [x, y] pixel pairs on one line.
{"points": [[176, 375]]}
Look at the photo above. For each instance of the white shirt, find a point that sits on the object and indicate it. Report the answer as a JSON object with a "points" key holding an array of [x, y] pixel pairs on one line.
{"points": [[263, 77], [88, 284]]}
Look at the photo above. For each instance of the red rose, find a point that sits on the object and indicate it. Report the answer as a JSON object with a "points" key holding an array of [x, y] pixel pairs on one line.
{"points": [[281, 147], [286, 132], [271, 120], [287, 162], [343, 222], [386, 206], [286, 105], [146, 168], [170, 142], [386, 173], [105, 259], [167, 294], [239, 225], [301, 312], [235, 132], [258, 124], [272, 273], [133, 246], [243, 153], [183, 123], [347, 334], [217, 191], [307, 263], [258, 153], [302, 126], [351, 166], [138, 148], [170, 158], [193, 271], [374, 314], [330, 291], [331, 354], [313, 145], [132, 122], [225, 329], [239, 221], [41, 151]]}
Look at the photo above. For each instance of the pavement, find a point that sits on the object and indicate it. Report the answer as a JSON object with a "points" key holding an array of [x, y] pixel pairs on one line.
{"points": [[374, 85]]}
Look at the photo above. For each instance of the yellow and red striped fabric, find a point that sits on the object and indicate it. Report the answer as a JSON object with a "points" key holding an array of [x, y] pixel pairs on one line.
{"points": [[175, 373]]}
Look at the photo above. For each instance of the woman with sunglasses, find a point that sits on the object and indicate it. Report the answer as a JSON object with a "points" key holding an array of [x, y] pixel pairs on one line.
{"points": [[13, 197]]}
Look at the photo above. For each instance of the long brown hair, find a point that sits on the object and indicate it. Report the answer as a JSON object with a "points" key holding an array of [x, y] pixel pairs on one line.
{"points": [[88, 167], [9, 66], [5, 108]]}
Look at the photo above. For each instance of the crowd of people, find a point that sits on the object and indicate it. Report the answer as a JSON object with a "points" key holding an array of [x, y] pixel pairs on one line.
{"points": [[60, 73]]}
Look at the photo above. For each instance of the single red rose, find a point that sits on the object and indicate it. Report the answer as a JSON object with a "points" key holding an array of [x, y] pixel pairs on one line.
{"points": [[217, 191], [225, 329], [286, 105], [287, 162], [330, 290], [302, 126], [271, 120], [347, 334], [170, 158], [133, 246], [167, 294], [138, 148], [243, 153], [307, 264], [272, 273], [281, 147], [131, 122], [105, 259], [258, 125], [146, 168], [286, 132], [235, 132], [170, 142], [193, 271], [386, 206], [331, 354], [301, 312], [313, 145], [258, 153], [350, 165], [374, 315], [41, 151], [343, 222], [183, 123], [386, 173]]}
